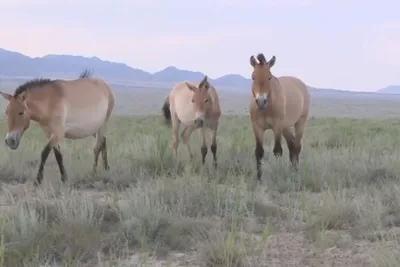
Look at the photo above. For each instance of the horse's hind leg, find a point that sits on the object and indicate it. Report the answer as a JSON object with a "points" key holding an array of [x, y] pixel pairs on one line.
{"points": [[298, 130], [103, 151], [175, 135], [59, 159], [99, 147], [290, 140], [96, 152], [104, 154]]}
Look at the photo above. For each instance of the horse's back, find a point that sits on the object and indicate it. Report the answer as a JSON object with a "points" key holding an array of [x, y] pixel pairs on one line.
{"points": [[86, 92], [297, 98]]}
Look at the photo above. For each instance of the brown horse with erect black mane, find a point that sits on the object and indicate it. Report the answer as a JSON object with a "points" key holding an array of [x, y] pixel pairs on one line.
{"points": [[196, 106], [277, 104], [73, 109]]}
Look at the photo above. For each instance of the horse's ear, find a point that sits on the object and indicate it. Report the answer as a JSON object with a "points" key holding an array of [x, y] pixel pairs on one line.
{"points": [[191, 87], [271, 62], [253, 61], [204, 83], [6, 96]]}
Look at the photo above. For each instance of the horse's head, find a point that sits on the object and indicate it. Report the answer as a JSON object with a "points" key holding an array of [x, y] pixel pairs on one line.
{"points": [[201, 99], [18, 118], [261, 76]]}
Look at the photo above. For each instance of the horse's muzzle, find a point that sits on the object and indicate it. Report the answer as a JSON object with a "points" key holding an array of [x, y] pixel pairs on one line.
{"points": [[199, 122], [12, 139], [261, 103], [199, 119]]}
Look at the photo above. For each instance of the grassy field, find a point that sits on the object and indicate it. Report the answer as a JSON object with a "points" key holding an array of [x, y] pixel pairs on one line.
{"points": [[342, 208]]}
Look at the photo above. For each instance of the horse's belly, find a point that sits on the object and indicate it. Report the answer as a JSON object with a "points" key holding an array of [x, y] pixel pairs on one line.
{"points": [[84, 123]]}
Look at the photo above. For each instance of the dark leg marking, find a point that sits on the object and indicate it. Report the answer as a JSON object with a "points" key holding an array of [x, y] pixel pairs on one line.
{"points": [[259, 153], [214, 152], [43, 157], [278, 151], [290, 146], [96, 157], [296, 153], [59, 159], [203, 154], [104, 154], [96, 152]]}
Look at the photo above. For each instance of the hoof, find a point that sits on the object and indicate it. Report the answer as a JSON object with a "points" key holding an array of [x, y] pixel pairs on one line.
{"points": [[64, 179], [294, 165], [278, 151]]}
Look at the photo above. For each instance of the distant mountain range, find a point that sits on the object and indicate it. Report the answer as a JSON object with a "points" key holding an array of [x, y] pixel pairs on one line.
{"points": [[392, 89], [14, 64]]}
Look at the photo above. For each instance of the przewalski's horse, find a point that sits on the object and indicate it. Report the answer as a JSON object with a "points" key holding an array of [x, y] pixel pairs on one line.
{"points": [[72, 109], [195, 105], [277, 104]]}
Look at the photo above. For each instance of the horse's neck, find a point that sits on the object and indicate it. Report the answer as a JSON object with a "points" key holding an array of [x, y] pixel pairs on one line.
{"points": [[276, 97], [276, 89], [215, 102], [35, 108]]}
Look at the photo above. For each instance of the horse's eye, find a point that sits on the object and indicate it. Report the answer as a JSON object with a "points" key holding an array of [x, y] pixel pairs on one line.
{"points": [[206, 100], [192, 101], [21, 113]]}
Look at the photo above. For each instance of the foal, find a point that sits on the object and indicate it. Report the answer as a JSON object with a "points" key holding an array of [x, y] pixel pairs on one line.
{"points": [[277, 104], [196, 105], [72, 109]]}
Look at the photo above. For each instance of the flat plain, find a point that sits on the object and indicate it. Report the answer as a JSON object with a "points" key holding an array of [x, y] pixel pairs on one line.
{"points": [[341, 208]]}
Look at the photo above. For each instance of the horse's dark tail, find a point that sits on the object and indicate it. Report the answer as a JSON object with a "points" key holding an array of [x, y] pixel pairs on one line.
{"points": [[85, 74], [166, 111]]}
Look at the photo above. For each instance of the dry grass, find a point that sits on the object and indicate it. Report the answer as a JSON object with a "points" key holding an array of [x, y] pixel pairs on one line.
{"points": [[342, 208]]}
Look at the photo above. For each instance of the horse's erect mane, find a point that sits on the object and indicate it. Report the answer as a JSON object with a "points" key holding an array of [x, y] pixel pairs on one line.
{"points": [[37, 82], [31, 84], [86, 74]]}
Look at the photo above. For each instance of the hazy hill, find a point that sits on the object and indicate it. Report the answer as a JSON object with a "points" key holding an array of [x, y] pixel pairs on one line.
{"points": [[14, 64], [392, 89]]}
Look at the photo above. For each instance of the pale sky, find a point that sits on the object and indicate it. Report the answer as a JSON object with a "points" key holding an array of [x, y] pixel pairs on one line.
{"points": [[351, 45]]}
